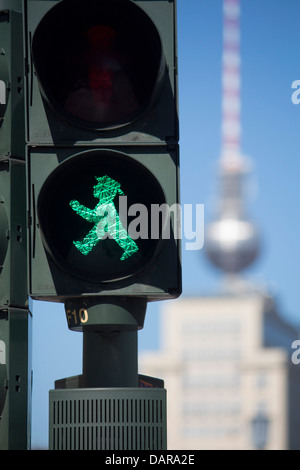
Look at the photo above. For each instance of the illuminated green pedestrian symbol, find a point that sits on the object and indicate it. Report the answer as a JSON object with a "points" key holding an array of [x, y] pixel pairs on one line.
{"points": [[105, 219]]}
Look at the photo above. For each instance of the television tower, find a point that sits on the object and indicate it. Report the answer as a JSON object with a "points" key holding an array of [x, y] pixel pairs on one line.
{"points": [[231, 242]]}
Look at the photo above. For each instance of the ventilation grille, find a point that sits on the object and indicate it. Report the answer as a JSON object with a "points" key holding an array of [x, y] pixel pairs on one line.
{"points": [[110, 419]]}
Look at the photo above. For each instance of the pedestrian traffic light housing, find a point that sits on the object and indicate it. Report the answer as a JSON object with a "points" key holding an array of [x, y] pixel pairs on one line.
{"points": [[12, 80], [100, 66], [102, 149], [13, 240], [13, 223], [15, 320]]}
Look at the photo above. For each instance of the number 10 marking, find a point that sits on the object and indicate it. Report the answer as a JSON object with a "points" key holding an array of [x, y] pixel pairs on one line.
{"points": [[77, 317]]}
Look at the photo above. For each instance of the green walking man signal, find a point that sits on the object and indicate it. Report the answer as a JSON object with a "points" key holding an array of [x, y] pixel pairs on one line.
{"points": [[105, 218]]}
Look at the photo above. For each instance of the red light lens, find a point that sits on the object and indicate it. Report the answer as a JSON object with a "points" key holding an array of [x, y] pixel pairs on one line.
{"points": [[100, 65]]}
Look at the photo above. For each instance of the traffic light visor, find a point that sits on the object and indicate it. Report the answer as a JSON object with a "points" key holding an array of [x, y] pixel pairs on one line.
{"points": [[99, 63]]}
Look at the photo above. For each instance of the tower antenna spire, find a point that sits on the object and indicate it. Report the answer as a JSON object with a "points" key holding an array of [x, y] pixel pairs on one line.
{"points": [[231, 82]]}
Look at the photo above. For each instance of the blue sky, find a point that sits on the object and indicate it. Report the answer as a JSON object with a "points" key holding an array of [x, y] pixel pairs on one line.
{"points": [[270, 50]]}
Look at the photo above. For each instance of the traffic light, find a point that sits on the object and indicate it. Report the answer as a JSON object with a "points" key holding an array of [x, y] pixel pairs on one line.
{"points": [[15, 319], [103, 158], [13, 240], [11, 79]]}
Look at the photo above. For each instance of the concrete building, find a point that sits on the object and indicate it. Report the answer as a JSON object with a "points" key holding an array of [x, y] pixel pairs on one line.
{"points": [[227, 366]]}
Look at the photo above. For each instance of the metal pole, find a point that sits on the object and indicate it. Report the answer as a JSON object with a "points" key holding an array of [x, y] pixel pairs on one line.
{"points": [[105, 408], [110, 359]]}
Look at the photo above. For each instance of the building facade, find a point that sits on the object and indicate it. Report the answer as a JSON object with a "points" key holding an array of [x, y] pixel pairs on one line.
{"points": [[231, 383]]}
